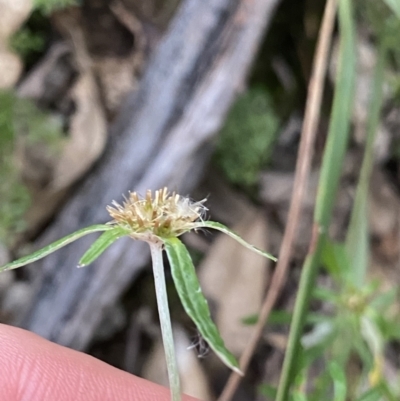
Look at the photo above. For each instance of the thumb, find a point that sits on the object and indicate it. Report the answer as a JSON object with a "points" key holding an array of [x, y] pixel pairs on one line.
{"points": [[34, 369]]}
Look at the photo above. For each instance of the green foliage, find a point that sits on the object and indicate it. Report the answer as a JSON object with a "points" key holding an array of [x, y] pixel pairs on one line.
{"points": [[245, 142], [36, 126], [48, 6], [20, 118], [14, 195], [15, 200], [188, 288], [361, 321], [7, 101], [25, 42], [383, 22]]}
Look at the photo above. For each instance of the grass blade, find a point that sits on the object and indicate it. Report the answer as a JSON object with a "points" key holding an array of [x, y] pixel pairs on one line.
{"points": [[193, 301], [47, 250], [339, 382], [339, 124], [335, 150], [357, 235], [232, 234], [100, 245]]}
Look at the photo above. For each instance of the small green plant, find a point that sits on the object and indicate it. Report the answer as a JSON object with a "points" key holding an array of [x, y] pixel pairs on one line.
{"points": [[246, 140], [350, 343], [159, 221], [25, 42], [20, 118]]}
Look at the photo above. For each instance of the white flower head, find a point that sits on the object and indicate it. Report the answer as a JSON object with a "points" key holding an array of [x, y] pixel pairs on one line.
{"points": [[164, 215]]}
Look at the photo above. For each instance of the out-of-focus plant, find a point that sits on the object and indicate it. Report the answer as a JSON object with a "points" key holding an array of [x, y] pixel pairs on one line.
{"points": [[245, 142], [25, 42], [48, 6], [20, 118], [348, 343]]}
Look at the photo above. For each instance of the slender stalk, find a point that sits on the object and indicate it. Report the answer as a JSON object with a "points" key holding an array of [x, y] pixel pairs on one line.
{"points": [[303, 165], [335, 150], [165, 320]]}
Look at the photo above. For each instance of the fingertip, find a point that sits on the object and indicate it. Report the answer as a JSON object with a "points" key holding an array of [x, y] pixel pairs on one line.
{"points": [[34, 369]]}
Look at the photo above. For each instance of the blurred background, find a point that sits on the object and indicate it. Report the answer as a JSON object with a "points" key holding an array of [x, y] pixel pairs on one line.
{"points": [[101, 97]]}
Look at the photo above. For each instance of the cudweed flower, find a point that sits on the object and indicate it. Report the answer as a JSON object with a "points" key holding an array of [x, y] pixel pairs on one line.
{"points": [[164, 216], [159, 220]]}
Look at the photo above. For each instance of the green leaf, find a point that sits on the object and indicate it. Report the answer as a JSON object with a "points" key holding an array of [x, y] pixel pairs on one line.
{"points": [[193, 301], [335, 259], [47, 250], [372, 335], [101, 244], [373, 394], [357, 240], [326, 294], [339, 381], [275, 317], [267, 390], [339, 123], [232, 234], [394, 5]]}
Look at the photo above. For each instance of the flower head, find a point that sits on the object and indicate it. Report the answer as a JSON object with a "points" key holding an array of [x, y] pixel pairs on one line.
{"points": [[164, 215]]}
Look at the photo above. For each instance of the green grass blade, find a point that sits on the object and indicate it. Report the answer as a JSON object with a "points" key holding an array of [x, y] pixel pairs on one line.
{"points": [[232, 234], [193, 301], [339, 382], [339, 124], [335, 150], [47, 250], [357, 235], [100, 245]]}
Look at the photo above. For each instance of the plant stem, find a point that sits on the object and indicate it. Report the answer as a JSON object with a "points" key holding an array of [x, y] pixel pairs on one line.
{"points": [[335, 150], [165, 320]]}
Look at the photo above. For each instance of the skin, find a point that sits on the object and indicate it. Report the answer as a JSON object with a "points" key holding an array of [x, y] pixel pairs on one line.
{"points": [[34, 369]]}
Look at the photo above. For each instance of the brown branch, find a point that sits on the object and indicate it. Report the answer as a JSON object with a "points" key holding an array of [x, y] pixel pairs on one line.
{"points": [[305, 154]]}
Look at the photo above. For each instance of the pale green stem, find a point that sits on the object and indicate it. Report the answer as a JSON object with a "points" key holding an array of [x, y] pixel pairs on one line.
{"points": [[165, 320]]}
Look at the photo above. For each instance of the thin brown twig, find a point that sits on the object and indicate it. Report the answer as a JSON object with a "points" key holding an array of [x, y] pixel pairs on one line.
{"points": [[305, 153]]}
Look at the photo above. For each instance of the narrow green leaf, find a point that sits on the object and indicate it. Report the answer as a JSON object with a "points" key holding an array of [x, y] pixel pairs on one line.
{"points": [[339, 381], [100, 245], [47, 250], [372, 335], [357, 235], [394, 5], [339, 123], [193, 301], [331, 168], [232, 234]]}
